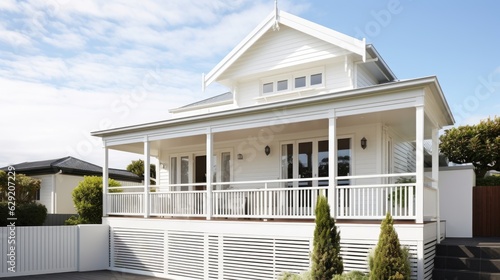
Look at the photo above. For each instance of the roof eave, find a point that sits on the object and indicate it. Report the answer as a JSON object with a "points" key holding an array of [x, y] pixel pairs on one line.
{"points": [[358, 92]]}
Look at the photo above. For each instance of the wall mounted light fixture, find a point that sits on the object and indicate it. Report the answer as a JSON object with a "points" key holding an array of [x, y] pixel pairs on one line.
{"points": [[240, 156], [267, 150], [363, 143]]}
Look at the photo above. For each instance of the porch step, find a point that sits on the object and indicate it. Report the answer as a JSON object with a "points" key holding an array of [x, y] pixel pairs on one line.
{"points": [[468, 259]]}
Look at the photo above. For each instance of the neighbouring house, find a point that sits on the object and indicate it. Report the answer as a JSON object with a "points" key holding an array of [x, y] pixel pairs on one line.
{"points": [[60, 176], [309, 111]]}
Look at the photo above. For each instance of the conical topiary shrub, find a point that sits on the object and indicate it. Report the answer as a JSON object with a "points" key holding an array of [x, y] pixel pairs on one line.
{"points": [[326, 261], [390, 261]]}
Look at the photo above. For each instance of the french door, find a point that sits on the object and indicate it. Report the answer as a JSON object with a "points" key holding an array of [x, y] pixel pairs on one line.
{"points": [[310, 159]]}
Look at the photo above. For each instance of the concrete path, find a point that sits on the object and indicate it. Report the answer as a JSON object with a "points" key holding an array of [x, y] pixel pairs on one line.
{"points": [[92, 275]]}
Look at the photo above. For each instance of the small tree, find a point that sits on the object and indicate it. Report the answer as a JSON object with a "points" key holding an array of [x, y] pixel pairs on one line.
{"points": [[25, 187], [137, 167], [326, 259], [87, 197], [477, 144], [390, 260]]}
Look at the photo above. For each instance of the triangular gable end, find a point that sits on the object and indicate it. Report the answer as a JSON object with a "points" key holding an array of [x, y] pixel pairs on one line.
{"points": [[346, 42]]}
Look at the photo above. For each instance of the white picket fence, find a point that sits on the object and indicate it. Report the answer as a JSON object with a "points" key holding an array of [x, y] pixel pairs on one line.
{"points": [[53, 249]]}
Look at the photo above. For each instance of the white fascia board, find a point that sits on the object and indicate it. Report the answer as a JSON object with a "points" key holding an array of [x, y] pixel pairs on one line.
{"points": [[208, 105], [244, 45], [324, 33]]}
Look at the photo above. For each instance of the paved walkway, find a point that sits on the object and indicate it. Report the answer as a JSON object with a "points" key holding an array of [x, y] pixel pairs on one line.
{"points": [[92, 275]]}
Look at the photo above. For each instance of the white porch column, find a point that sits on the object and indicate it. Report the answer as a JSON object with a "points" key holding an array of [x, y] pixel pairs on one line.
{"points": [[210, 148], [332, 163], [105, 182], [146, 177], [435, 177], [420, 163]]}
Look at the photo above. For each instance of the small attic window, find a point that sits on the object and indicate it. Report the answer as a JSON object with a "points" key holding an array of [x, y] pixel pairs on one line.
{"points": [[316, 79], [267, 88], [300, 82], [282, 85]]}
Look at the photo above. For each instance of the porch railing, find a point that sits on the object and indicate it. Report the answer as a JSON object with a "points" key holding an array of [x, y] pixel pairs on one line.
{"points": [[357, 197]]}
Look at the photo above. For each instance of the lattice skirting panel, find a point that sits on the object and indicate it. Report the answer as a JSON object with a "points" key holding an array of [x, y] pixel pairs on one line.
{"points": [[194, 255], [197, 255]]}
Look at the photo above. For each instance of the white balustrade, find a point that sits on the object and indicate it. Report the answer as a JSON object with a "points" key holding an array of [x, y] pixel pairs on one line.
{"points": [[287, 198]]}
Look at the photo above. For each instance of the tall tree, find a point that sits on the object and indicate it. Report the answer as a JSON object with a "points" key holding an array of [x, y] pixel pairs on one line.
{"points": [[326, 259], [477, 144], [137, 167]]}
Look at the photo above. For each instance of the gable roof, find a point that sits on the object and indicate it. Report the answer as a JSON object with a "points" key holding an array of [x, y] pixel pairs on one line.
{"points": [[323, 33], [71, 166]]}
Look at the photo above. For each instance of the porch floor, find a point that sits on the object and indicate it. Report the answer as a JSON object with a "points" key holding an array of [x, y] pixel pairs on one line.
{"points": [[91, 275], [280, 220]]}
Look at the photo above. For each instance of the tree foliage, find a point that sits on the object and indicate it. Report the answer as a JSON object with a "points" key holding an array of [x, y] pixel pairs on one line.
{"points": [[477, 144], [25, 187], [137, 167], [326, 259], [390, 260], [87, 197]]}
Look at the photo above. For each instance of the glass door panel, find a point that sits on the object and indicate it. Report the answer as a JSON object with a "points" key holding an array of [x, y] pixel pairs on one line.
{"points": [[343, 160], [287, 163], [322, 162], [305, 158], [184, 172]]}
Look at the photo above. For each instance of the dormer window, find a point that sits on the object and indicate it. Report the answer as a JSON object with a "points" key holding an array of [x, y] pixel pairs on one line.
{"points": [[297, 81]]}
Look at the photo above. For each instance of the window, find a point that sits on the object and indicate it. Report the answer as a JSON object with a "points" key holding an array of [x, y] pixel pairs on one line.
{"points": [[282, 85], [300, 82], [267, 88], [316, 79], [297, 81], [37, 195]]}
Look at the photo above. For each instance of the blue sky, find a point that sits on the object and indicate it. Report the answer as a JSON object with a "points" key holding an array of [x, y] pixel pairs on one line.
{"points": [[71, 67]]}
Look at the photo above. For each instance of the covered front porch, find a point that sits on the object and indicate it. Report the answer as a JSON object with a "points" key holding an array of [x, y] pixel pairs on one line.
{"points": [[273, 162]]}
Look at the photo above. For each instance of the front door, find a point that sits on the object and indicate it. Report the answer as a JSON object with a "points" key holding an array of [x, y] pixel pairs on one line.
{"points": [[200, 172]]}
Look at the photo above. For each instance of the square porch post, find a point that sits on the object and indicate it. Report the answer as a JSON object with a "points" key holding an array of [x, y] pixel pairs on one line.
{"points": [[105, 182], [435, 178], [210, 148], [146, 177], [332, 163], [420, 164]]}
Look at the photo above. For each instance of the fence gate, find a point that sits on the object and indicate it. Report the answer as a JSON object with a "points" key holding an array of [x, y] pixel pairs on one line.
{"points": [[486, 211]]}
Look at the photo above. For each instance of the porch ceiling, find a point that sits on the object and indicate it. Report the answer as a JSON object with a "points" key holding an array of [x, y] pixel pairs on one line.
{"points": [[402, 121]]}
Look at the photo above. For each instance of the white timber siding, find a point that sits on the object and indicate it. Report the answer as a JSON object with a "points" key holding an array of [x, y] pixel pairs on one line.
{"points": [[364, 78], [280, 49], [47, 192], [403, 154]]}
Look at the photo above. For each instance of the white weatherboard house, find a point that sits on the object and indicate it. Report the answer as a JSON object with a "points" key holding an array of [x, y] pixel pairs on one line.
{"points": [[309, 111]]}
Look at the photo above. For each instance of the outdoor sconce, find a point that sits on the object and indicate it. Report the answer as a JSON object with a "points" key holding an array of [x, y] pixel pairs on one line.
{"points": [[267, 150], [240, 156], [363, 143]]}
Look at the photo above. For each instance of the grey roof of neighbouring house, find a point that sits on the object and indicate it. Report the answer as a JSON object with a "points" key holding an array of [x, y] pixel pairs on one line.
{"points": [[214, 99], [72, 166]]}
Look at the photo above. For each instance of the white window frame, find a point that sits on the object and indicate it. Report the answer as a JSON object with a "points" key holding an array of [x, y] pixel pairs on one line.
{"points": [[290, 78]]}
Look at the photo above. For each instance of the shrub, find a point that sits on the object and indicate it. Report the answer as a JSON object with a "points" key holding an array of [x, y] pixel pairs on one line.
{"points": [[488, 181], [87, 197], [390, 260], [353, 275], [25, 187], [27, 214], [293, 276], [326, 260]]}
